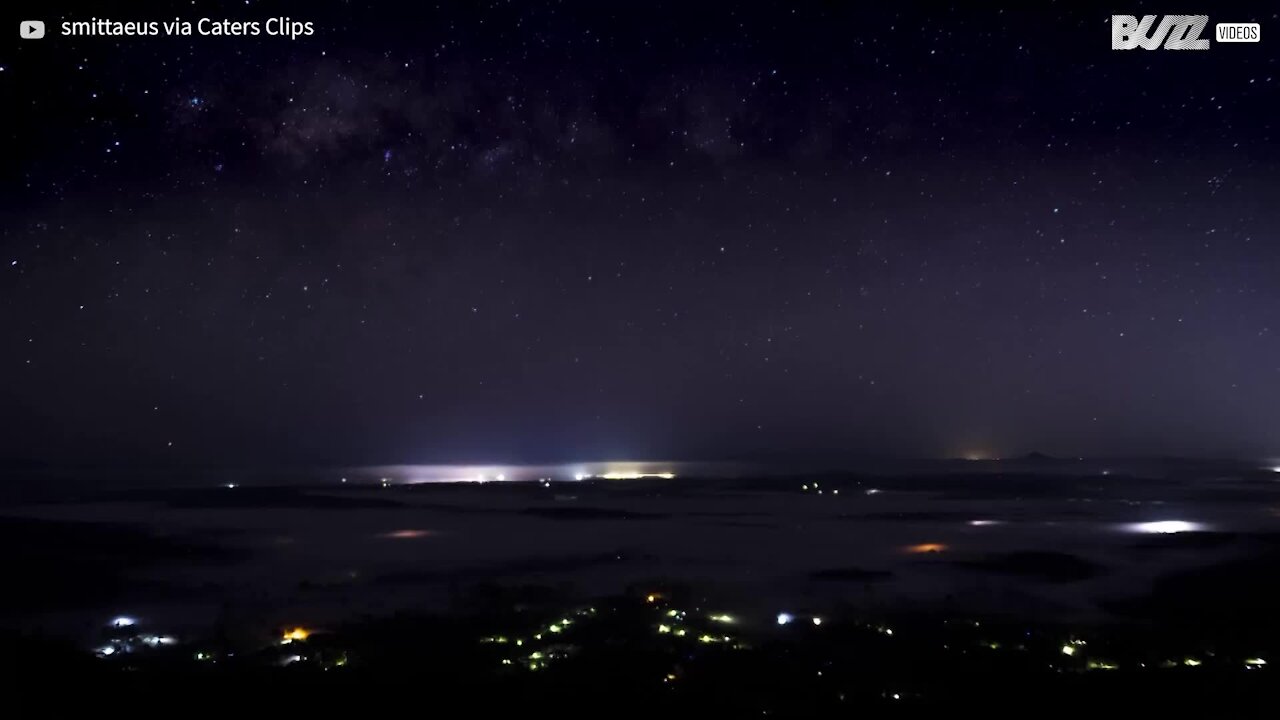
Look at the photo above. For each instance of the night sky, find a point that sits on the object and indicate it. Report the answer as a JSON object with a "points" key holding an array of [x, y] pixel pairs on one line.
{"points": [[526, 231]]}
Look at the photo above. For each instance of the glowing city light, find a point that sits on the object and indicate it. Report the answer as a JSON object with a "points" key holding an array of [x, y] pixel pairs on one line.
{"points": [[1068, 650], [405, 534], [298, 633], [925, 548], [817, 620], [158, 640], [983, 523], [727, 619], [785, 618], [1165, 527], [123, 621], [636, 475]]}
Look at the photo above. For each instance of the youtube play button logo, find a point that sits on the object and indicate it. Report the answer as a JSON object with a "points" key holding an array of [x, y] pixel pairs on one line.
{"points": [[31, 29]]}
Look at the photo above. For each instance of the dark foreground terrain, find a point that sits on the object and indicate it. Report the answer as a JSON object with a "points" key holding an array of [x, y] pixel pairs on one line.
{"points": [[654, 650], [930, 595]]}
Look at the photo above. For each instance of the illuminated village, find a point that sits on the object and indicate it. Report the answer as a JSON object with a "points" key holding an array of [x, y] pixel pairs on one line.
{"points": [[662, 648]]}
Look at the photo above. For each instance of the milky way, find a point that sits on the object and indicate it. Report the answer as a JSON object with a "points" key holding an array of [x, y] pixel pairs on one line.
{"points": [[529, 232]]}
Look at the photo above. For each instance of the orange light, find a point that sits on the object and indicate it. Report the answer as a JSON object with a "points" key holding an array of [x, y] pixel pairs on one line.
{"points": [[923, 548], [406, 534], [652, 598], [298, 633]]}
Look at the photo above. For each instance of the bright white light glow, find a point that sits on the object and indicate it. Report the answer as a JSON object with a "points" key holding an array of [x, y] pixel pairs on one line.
{"points": [[983, 523], [817, 620], [636, 475], [123, 621], [784, 618], [1165, 527]]}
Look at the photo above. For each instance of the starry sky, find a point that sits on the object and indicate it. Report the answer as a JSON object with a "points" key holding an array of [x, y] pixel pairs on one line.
{"points": [[545, 231]]}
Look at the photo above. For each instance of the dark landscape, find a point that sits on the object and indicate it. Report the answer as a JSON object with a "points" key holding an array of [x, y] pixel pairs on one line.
{"points": [[886, 592]]}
